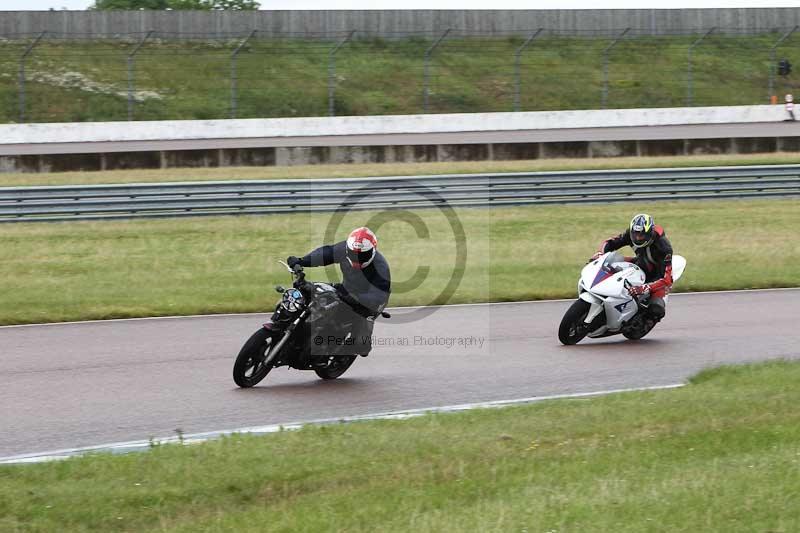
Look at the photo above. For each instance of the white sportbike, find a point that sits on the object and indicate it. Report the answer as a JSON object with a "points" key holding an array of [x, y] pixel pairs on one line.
{"points": [[604, 307]]}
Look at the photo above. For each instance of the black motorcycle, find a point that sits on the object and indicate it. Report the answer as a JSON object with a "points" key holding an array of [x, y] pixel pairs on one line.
{"points": [[303, 313]]}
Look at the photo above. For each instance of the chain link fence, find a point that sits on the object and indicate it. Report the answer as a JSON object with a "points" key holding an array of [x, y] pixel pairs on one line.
{"points": [[148, 75]]}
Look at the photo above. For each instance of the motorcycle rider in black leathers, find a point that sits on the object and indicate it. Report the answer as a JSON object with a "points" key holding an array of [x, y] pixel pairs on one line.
{"points": [[653, 255], [366, 282]]}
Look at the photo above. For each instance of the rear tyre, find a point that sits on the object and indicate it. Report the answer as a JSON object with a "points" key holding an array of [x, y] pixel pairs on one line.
{"points": [[572, 328], [249, 367], [637, 334], [336, 368]]}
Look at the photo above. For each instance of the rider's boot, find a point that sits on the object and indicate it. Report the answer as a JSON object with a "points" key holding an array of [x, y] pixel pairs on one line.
{"points": [[362, 331], [657, 308], [655, 312]]}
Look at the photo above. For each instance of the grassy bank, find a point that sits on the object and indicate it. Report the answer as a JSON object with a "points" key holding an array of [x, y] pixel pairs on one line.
{"points": [[388, 169], [721, 454], [88, 80], [90, 270]]}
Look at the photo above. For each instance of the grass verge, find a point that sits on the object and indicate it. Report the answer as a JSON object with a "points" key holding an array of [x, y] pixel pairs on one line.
{"points": [[98, 270], [721, 454], [386, 169]]}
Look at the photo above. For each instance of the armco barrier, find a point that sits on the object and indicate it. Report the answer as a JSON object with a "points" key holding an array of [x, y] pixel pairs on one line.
{"points": [[108, 202]]}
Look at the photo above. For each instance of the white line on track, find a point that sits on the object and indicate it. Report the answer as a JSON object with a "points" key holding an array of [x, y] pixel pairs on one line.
{"points": [[223, 315], [196, 438]]}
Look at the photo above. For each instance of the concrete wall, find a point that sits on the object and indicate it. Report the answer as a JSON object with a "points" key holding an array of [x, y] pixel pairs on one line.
{"points": [[391, 22], [589, 125], [413, 138], [305, 155]]}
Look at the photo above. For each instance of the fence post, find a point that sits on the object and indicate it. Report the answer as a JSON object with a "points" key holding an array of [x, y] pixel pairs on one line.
{"points": [[235, 75], [426, 70], [332, 73], [21, 81], [604, 98], [131, 72], [517, 55], [689, 72], [772, 49]]}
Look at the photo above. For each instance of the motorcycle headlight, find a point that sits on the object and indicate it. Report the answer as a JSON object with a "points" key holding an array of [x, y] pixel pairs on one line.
{"points": [[292, 300]]}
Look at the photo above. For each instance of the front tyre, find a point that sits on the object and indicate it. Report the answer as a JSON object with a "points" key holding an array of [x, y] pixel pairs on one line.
{"points": [[336, 368], [573, 328], [249, 367]]}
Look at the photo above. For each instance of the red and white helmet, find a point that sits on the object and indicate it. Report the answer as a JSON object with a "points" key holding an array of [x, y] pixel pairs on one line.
{"points": [[361, 247]]}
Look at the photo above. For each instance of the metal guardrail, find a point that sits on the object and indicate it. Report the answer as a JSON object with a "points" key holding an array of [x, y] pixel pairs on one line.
{"points": [[108, 202]]}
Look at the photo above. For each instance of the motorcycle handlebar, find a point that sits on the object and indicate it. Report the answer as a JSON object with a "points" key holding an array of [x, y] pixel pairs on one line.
{"points": [[296, 271], [636, 298]]}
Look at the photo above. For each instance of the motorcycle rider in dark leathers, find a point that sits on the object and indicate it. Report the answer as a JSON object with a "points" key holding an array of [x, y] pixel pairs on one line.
{"points": [[365, 287], [653, 255]]}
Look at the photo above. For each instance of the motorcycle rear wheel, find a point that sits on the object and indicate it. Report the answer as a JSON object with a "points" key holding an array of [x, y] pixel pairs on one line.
{"points": [[249, 368], [338, 367], [638, 334], [570, 331]]}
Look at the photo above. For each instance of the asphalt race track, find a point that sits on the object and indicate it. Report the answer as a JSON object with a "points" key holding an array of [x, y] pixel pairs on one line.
{"points": [[71, 385]]}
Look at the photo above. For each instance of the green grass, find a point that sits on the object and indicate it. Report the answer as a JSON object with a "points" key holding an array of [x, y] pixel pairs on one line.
{"points": [[96, 270], [387, 169], [721, 454], [191, 79]]}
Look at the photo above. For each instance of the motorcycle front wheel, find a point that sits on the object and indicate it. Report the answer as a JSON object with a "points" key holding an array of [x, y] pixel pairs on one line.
{"points": [[572, 328], [249, 367]]}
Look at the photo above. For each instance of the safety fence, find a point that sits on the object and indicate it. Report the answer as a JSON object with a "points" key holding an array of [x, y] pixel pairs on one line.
{"points": [[108, 202], [155, 75]]}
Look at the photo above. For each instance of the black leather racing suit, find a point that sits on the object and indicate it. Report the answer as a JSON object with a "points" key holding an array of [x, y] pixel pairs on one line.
{"points": [[366, 292], [656, 261]]}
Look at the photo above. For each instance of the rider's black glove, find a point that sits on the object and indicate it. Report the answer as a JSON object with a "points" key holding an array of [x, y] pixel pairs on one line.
{"points": [[292, 261]]}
